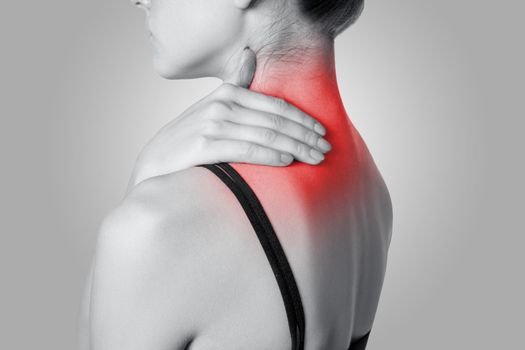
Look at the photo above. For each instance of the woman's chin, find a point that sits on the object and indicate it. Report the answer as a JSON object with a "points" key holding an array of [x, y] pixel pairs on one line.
{"points": [[168, 70], [164, 69]]}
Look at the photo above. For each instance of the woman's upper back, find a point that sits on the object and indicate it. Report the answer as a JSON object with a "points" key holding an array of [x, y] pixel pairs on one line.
{"points": [[181, 255], [334, 223]]}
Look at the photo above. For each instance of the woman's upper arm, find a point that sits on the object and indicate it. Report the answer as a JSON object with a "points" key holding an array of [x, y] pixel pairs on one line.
{"points": [[140, 296]]}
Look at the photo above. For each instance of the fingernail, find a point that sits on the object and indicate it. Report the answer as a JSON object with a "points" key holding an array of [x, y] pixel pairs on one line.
{"points": [[324, 145], [286, 158], [320, 129], [316, 154]]}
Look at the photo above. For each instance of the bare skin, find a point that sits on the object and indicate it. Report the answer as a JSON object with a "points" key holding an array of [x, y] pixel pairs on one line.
{"points": [[178, 266], [176, 147], [163, 279], [233, 124], [177, 263]]}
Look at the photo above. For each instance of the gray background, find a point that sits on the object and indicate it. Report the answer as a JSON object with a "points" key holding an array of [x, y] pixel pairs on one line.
{"points": [[435, 88]]}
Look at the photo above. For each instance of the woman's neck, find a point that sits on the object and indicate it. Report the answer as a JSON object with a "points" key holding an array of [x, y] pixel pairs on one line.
{"points": [[307, 80]]}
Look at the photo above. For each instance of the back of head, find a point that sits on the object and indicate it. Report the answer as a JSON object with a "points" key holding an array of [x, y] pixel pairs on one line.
{"points": [[298, 25], [331, 17]]}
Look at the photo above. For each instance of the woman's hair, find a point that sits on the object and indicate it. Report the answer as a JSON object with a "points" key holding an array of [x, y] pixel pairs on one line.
{"points": [[331, 16], [326, 17]]}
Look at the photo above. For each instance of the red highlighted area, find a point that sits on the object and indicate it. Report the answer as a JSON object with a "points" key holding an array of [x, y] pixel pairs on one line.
{"points": [[287, 193]]}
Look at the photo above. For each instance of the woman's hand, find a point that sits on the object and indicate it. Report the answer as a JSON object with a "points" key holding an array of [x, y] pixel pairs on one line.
{"points": [[233, 124]]}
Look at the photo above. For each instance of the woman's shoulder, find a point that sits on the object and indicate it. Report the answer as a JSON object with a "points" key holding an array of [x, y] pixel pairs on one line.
{"points": [[161, 239], [177, 204], [184, 216]]}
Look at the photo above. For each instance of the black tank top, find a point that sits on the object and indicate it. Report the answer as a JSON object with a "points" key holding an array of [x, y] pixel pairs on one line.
{"points": [[274, 252]]}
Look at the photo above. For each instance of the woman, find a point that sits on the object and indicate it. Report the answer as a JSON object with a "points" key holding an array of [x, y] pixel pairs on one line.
{"points": [[262, 253]]}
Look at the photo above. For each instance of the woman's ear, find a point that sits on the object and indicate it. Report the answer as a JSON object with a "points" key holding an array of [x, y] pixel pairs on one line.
{"points": [[243, 4]]}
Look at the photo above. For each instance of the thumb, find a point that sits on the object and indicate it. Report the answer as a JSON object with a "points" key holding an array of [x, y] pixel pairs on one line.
{"points": [[243, 74]]}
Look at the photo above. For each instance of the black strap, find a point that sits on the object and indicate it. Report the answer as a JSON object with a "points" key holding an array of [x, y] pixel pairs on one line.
{"points": [[360, 344], [272, 248], [274, 252]]}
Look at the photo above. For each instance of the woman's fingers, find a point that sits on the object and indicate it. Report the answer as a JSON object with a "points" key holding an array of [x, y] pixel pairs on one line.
{"points": [[246, 126], [224, 150], [297, 131], [254, 100], [268, 138]]}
